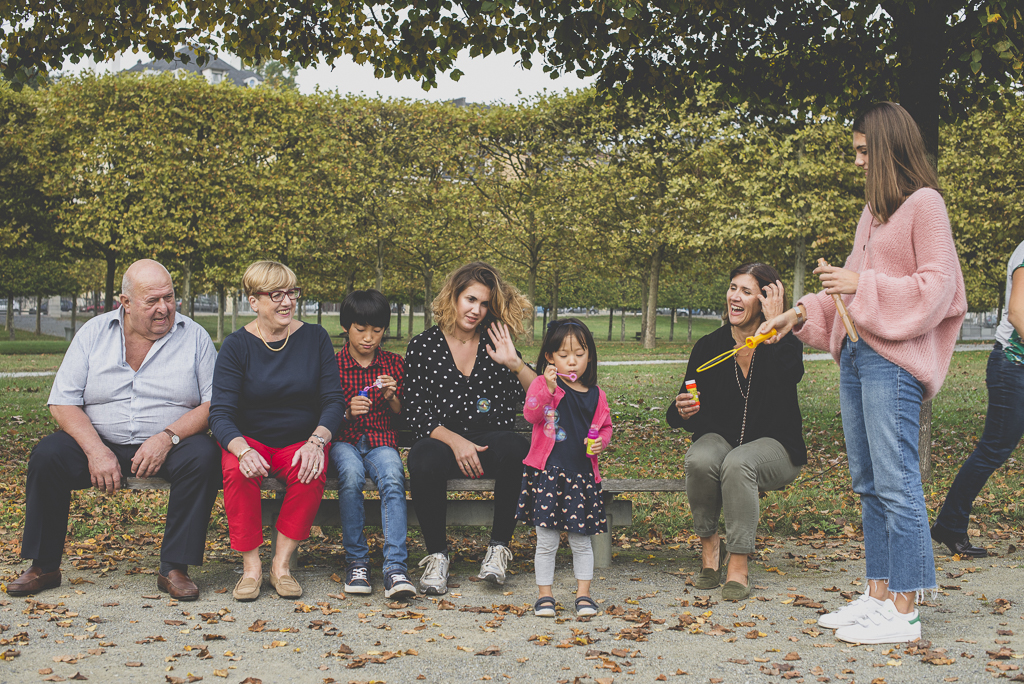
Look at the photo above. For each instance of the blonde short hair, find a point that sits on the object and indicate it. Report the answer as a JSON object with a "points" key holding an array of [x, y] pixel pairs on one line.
{"points": [[267, 276], [506, 305]]}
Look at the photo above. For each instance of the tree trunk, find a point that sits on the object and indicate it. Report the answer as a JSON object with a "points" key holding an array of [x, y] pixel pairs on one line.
{"points": [[39, 314], [10, 316], [544, 324], [554, 298], [399, 326], [411, 317], [235, 296], [799, 268], [531, 294], [622, 325], [186, 291], [95, 303], [689, 325], [672, 325], [611, 321], [380, 266], [320, 314], [222, 301], [428, 298], [644, 288], [298, 308], [108, 297], [651, 329], [74, 313]]}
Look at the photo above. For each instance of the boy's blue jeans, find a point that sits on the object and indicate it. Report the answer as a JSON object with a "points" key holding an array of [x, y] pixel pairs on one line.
{"points": [[383, 465], [881, 406], [1004, 426]]}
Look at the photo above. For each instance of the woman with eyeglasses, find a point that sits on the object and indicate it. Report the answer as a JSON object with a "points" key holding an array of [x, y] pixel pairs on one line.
{"points": [[277, 401], [464, 384]]}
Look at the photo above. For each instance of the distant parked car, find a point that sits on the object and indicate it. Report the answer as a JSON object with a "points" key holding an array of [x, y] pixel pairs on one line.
{"points": [[45, 308], [3, 306]]}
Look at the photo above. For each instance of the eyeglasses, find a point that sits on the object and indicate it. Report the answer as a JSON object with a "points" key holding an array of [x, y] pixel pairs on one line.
{"points": [[278, 295]]}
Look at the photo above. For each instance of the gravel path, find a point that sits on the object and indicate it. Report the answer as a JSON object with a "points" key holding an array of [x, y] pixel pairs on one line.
{"points": [[115, 626]]}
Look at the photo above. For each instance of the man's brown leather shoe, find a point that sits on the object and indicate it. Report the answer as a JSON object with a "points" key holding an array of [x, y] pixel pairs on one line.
{"points": [[178, 585], [32, 581]]}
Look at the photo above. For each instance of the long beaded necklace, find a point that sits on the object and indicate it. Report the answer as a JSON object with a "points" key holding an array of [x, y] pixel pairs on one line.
{"points": [[745, 395], [287, 335]]}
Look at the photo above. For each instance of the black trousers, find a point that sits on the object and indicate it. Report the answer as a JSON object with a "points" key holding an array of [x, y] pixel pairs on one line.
{"points": [[58, 465], [432, 463]]}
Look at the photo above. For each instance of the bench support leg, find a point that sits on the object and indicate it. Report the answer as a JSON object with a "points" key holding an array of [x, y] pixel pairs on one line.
{"points": [[602, 545]]}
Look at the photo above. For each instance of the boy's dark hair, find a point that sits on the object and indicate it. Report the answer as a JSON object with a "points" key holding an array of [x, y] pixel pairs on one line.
{"points": [[366, 307], [556, 334]]}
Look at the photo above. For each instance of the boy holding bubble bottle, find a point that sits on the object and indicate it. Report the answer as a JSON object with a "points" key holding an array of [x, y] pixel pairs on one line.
{"points": [[371, 380]]}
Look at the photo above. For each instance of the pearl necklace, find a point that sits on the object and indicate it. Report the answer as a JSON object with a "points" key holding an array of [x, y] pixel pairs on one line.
{"points": [[287, 336]]}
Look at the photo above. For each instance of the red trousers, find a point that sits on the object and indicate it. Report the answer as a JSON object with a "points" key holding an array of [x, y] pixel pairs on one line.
{"points": [[242, 496]]}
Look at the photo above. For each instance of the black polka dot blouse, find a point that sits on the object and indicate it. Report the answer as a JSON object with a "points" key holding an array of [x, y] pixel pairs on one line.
{"points": [[437, 394]]}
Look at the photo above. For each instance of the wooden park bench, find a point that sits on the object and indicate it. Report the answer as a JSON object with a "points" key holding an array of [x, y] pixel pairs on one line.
{"points": [[464, 512]]}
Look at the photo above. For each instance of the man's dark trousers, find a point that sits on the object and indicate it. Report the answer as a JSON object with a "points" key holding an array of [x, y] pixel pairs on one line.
{"points": [[58, 465]]}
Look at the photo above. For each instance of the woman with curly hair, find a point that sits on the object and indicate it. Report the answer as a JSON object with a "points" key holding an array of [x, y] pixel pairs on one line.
{"points": [[465, 383]]}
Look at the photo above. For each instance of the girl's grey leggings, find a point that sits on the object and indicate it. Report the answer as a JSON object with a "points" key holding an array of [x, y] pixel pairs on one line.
{"points": [[547, 546]]}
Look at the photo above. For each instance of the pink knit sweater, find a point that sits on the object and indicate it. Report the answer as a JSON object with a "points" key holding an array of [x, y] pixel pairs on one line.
{"points": [[910, 299]]}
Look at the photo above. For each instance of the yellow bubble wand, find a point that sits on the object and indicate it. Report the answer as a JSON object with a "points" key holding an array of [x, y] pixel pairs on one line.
{"points": [[750, 343]]}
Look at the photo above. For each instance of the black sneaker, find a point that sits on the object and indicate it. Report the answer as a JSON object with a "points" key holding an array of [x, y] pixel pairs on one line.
{"points": [[958, 544], [357, 579], [397, 586]]}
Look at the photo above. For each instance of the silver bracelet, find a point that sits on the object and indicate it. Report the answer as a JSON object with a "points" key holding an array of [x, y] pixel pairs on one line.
{"points": [[323, 442]]}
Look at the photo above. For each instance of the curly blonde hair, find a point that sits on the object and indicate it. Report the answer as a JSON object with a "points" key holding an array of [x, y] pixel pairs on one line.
{"points": [[507, 304]]}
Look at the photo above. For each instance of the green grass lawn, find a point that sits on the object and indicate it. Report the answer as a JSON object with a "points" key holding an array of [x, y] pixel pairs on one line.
{"points": [[643, 446]]}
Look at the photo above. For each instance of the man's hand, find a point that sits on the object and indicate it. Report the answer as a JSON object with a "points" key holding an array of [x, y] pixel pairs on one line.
{"points": [[104, 470], [150, 457]]}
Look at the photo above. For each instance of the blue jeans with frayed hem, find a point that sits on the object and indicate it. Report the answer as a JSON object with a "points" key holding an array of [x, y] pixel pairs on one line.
{"points": [[881, 407]]}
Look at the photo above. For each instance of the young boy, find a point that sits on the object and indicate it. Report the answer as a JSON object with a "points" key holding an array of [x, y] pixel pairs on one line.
{"points": [[366, 445]]}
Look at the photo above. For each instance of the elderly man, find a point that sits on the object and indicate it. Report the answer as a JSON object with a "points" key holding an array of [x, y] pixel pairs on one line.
{"points": [[132, 395]]}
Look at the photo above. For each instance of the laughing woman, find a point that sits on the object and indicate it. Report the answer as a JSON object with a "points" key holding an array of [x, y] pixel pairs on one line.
{"points": [[746, 427], [277, 402]]}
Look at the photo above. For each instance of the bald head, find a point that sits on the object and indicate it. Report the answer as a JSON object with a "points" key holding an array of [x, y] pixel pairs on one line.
{"points": [[147, 297], [142, 273]]}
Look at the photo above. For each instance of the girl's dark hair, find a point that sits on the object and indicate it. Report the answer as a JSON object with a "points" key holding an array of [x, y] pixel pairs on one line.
{"points": [[365, 307], [763, 274], [555, 335], [898, 163]]}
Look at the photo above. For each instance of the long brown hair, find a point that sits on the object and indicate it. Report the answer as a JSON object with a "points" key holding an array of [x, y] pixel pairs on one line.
{"points": [[506, 304], [897, 161]]}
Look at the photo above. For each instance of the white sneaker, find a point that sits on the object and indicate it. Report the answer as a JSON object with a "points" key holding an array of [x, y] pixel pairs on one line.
{"points": [[435, 577], [850, 613], [495, 563], [883, 626]]}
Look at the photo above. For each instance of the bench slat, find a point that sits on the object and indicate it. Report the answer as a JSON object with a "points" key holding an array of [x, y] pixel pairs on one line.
{"points": [[271, 484]]}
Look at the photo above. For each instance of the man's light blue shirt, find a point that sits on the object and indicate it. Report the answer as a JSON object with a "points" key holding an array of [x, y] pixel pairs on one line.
{"points": [[127, 406]]}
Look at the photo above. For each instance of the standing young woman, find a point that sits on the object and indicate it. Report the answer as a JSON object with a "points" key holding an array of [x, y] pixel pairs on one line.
{"points": [[903, 287]]}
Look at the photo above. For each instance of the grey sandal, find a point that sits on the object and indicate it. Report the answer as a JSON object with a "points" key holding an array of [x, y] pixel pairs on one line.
{"points": [[544, 607]]}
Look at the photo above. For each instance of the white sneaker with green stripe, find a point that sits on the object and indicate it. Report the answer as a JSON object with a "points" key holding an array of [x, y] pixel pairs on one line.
{"points": [[886, 625]]}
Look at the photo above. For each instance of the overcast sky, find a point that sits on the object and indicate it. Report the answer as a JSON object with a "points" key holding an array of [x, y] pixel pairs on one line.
{"points": [[496, 78]]}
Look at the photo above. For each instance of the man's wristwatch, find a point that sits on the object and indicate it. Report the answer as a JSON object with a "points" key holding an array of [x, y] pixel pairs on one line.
{"points": [[174, 438]]}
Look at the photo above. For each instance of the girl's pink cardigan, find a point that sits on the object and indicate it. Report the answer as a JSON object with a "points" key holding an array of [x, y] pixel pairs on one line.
{"points": [[910, 299], [540, 444]]}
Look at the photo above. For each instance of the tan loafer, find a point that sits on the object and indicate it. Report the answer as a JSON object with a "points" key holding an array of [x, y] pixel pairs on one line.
{"points": [[285, 585], [247, 589]]}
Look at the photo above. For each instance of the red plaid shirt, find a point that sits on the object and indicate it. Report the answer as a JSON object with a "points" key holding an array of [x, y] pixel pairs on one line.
{"points": [[379, 424]]}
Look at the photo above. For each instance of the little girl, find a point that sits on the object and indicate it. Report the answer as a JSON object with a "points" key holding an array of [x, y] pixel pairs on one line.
{"points": [[561, 483]]}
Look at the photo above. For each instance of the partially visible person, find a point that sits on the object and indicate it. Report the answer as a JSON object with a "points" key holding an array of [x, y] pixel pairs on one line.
{"points": [[746, 425], [1004, 421], [561, 489], [277, 403], [367, 447], [903, 287], [465, 383], [132, 395]]}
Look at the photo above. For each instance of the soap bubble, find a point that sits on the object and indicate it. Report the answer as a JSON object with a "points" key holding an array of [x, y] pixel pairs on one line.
{"points": [[483, 404], [560, 435], [550, 430]]}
